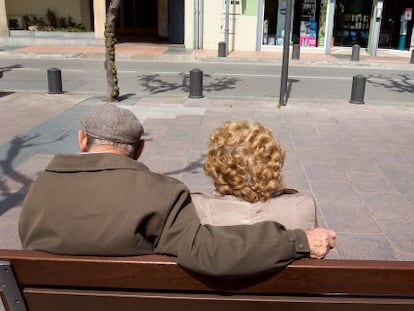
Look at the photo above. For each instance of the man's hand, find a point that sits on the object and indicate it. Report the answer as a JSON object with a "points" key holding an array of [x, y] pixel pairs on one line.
{"points": [[320, 242]]}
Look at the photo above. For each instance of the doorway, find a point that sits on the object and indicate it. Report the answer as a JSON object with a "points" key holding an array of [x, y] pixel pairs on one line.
{"points": [[137, 21], [396, 25]]}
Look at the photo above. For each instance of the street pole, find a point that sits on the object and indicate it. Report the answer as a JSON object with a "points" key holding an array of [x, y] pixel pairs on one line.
{"points": [[285, 60]]}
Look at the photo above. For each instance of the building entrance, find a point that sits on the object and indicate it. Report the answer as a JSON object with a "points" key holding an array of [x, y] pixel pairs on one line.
{"points": [[137, 21], [397, 24], [352, 22], [151, 21]]}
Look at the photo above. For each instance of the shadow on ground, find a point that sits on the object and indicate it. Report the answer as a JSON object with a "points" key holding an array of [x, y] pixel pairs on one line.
{"points": [[154, 84], [191, 167], [403, 84], [12, 179], [9, 68]]}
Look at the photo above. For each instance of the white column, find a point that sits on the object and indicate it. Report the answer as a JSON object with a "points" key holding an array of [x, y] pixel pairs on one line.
{"points": [[330, 11], [375, 25], [99, 14], [4, 27]]}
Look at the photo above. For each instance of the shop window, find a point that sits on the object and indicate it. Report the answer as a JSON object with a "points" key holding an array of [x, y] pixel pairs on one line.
{"points": [[304, 27], [308, 25], [352, 20]]}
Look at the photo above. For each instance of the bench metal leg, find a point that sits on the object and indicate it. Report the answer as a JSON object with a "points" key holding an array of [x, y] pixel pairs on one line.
{"points": [[10, 288]]}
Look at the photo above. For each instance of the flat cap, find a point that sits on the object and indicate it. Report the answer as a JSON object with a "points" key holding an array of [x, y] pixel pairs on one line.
{"points": [[112, 123]]}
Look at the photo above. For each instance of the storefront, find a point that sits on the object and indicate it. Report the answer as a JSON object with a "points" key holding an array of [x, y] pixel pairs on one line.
{"points": [[352, 22], [397, 24], [304, 23]]}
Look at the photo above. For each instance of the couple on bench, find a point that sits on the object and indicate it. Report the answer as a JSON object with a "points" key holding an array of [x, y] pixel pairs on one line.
{"points": [[104, 202]]}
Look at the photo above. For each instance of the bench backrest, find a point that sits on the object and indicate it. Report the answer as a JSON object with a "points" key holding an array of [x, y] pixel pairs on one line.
{"points": [[56, 282]]}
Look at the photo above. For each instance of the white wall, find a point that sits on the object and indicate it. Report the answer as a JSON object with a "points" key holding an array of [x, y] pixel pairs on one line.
{"points": [[245, 27], [212, 24], [246, 32], [188, 24], [4, 29]]}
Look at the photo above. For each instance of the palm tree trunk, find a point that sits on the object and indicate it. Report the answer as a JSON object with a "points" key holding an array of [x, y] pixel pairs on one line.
{"points": [[110, 40]]}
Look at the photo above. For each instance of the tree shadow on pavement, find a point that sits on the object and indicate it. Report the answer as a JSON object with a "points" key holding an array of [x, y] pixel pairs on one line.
{"points": [[12, 179], [4, 94], [154, 84], [8, 68], [191, 167], [403, 84]]}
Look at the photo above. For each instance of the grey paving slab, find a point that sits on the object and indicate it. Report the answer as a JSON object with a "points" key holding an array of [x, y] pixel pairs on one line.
{"points": [[324, 172], [380, 185], [9, 235], [56, 134], [297, 180], [343, 217], [399, 232], [407, 191], [388, 205], [364, 246], [23, 111]]}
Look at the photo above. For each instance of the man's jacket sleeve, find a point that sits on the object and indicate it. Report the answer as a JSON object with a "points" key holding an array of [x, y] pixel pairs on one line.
{"points": [[231, 251]]}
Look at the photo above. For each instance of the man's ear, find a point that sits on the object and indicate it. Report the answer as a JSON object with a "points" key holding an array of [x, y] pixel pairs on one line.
{"points": [[82, 141], [140, 148]]}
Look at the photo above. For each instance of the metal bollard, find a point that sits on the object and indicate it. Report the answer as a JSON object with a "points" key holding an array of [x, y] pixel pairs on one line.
{"points": [[358, 89], [355, 53], [54, 81], [412, 57], [296, 51], [196, 83], [222, 51]]}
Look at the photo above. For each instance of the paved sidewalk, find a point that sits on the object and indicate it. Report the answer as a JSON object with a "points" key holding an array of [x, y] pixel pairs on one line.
{"points": [[339, 56], [357, 160]]}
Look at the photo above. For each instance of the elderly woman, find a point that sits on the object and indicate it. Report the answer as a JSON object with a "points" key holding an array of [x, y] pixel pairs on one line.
{"points": [[245, 163]]}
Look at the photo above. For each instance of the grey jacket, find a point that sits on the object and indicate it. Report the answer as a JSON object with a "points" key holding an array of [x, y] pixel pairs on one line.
{"points": [[107, 204]]}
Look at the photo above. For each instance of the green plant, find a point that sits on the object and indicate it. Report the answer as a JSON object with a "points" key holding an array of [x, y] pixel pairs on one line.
{"points": [[62, 22], [51, 18], [52, 23]]}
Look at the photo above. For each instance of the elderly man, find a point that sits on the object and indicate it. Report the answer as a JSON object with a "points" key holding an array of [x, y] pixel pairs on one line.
{"points": [[104, 202]]}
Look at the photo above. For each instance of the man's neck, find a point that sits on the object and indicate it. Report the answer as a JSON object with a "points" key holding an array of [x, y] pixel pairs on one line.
{"points": [[107, 149]]}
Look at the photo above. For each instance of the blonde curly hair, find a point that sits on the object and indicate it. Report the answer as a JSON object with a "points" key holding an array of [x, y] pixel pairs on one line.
{"points": [[245, 160]]}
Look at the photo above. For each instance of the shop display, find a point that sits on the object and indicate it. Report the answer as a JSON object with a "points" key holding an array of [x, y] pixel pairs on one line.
{"points": [[308, 25], [351, 28]]}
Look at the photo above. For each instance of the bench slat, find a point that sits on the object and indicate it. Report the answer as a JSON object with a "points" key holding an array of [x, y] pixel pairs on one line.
{"points": [[68, 300]]}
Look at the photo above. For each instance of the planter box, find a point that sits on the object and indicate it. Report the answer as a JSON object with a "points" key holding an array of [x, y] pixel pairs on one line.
{"points": [[51, 34]]}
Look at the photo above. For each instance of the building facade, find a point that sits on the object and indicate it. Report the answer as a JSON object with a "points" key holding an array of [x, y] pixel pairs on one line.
{"points": [[246, 25]]}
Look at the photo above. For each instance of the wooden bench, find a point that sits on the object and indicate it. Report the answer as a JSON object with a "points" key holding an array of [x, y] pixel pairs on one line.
{"points": [[39, 281]]}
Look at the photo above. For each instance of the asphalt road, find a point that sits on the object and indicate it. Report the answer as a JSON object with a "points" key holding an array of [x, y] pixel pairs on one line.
{"points": [[310, 83]]}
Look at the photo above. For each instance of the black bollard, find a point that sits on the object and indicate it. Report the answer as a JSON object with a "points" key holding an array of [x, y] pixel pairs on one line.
{"points": [[355, 53], [358, 89], [412, 57], [222, 51], [196, 83], [54, 81], [296, 51]]}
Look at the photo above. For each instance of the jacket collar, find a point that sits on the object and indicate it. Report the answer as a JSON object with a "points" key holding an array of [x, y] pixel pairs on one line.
{"points": [[92, 162]]}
